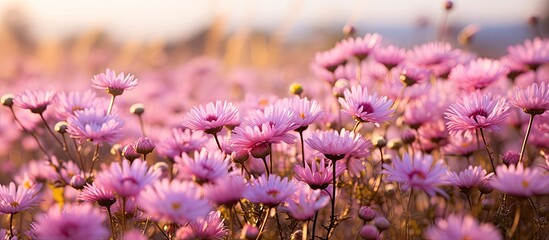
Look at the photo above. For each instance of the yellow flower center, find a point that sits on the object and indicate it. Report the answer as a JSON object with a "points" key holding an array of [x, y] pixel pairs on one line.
{"points": [[176, 206], [14, 204], [302, 115], [525, 183]]}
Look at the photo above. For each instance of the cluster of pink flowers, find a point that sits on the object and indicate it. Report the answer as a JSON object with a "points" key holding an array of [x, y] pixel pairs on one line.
{"points": [[386, 143]]}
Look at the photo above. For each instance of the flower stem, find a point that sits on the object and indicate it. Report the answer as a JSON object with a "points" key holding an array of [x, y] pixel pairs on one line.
{"points": [[302, 148], [111, 104], [409, 213], [314, 225], [11, 226], [141, 125], [523, 148], [49, 129], [356, 126], [332, 215], [217, 142], [111, 222], [266, 167], [278, 225], [94, 158], [263, 224], [488, 150], [513, 229], [123, 214], [304, 230]]}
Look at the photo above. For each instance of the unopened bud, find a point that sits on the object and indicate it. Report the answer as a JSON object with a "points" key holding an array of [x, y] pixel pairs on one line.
{"points": [[130, 153], [369, 232], [394, 143], [485, 187], [382, 223], [510, 157], [339, 87], [77, 182], [296, 89], [137, 109], [379, 142], [366, 213], [240, 156], [144, 145], [163, 168], [349, 30], [7, 99], [408, 137], [261, 151], [61, 127], [249, 232], [448, 5]]}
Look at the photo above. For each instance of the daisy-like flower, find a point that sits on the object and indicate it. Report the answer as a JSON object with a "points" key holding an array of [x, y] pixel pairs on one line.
{"points": [[212, 118], [95, 125], [533, 100], [308, 112], [211, 228], [468, 178], [461, 145], [331, 59], [477, 74], [68, 103], [476, 111], [305, 202], [337, 145], [532, 53], [205, 166], [127, 180], [97, 193], [359, 47], [14, 199], [317, 176], [417, 172], [270, 191], [113, 84], [175, 201], [181, 141], [390, 56], [438, 57], [227, 190], [459, 227], [364, 107], [73, 222], [410, 75], [520, 181], [35, 101]]}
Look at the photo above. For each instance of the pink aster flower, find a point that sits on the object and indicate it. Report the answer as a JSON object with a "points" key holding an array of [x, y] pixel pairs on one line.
{"points": [[35, 101], [438, 57], [227, 190], [95, 125], [175, 201], [520, 181], [113, 84], [127, 180], [305, 202], [212, 118], [211, 228], [361, 47], [337, 145], [533, 100], [317, 176], [468, 178], [204, 167], [364, 107], [456, 227], [417, 172], [270, 191], [411, 75], [68, 103], [331, 59], [476, 111], [73, 222], [461, 145], [308, 112], [97, 193], [14, 199], [390, 56], [531, 53], [180, 141], [477, 74]]}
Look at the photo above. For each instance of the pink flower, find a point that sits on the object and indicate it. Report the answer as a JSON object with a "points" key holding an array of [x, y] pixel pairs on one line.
{"points": [[477, 74], [35, 101], [175, 201], [211, 228], [227, 190], [97, 193], [305, 202], [82, 222], [364, 107], [438, 57], [114, 85], [456, 227], [411, 75], [14, 199], [68, 103], [532, 53], [127, 180], [359, 47], [417, 173], [95, 125], [337, 145], [468, 178], [331, 59], [317, 176], [204, 166], [461, 145], [308, 112], [213, 117], [270, 191], [390, 56], [533, 100], [180, 141], [476, 111], [520, 181]]}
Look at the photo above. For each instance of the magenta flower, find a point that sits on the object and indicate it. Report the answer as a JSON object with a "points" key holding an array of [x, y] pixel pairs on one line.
{"points": [[477, 74], [213, 117], [476, 111], [227, 190], [305, 202], [331, 59], [520, 181], [181, 141], [337, 145], [113, 84], [14, 199], [461, 145], [175, 201], [359, 47], [456, 227], [438, 57], [308, 112], [411, 75], [317, 176], [270, 191], [35, 101], [68, 103], [364, 107], [533, 100], [211, 228], [417, 172], [468, 178], [127, 180], [97, 193], [95, 125], [532, 53], [204, 166], [73, 222], [390, 56]]}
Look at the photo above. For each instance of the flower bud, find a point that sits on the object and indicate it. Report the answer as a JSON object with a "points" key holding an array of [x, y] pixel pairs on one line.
{"points": [[382, 223], [261, 151], [366, 213], [485, 187], [144, 145], [296, 89], [130, 153], [349, 30], [394, 144], [339, 87], [369, 232], [510, 157], [137, 109], [7, 99], [448, 5], [61, 127], [77, 182], [240, 156], [408, 137], [163, 168], [379, 142], [249, 232]]}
